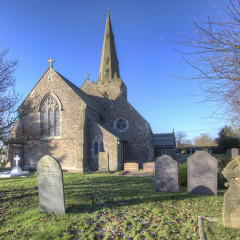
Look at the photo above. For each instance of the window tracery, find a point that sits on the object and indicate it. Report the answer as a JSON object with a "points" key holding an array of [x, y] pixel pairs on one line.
{"points": [[121, 124], [50, 116]]}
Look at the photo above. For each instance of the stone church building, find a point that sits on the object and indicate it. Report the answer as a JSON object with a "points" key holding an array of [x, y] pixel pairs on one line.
{"points": [[78, 123]]}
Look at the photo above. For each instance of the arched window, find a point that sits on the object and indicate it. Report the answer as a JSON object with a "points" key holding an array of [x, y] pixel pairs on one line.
{"points": [[98, 146], [50, 116], [95, 148]]}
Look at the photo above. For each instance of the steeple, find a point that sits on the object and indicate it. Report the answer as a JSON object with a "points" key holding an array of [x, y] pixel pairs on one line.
{"points": [[109, 69]]}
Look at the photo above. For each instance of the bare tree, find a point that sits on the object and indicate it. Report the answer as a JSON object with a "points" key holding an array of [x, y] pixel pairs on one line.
{"points": [[180, 138], [8, 97], [215, 54], [11, 131]]}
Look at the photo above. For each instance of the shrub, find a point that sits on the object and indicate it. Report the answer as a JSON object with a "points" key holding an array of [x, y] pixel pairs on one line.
{"points": [[221, 180], [223, 160], [182, 175]]}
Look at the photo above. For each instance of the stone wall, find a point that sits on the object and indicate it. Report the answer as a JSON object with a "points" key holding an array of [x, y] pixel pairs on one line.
{"points": [[139, 134], [68, 148], [109, 143]]}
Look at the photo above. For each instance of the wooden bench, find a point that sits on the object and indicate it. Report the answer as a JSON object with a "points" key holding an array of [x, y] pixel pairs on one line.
{"points": [[131, 167], [149, 167]]}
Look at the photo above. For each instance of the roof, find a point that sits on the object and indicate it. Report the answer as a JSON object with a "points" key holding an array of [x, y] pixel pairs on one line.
{"points": [[109, 129], [164, 140], [85, 97]]}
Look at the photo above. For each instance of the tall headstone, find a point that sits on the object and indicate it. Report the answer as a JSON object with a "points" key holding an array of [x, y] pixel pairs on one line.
{"points": [[103, 162], [166, 174], [231, 206], [202, 173], [50, 186], [232, 153]]}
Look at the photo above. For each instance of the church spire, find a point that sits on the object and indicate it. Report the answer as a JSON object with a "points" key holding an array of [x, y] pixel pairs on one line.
{"points": [[109, 70]]}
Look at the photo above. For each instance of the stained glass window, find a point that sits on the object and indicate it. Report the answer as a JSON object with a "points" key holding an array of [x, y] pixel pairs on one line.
{"points": [[121, 124], [50, 116], [95, 148], [98, 146]]}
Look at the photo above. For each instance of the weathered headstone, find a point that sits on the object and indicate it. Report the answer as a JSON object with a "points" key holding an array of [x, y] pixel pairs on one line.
{"points": [[103, 162], [166, 174], [232, 153], [202, 173], [149, 167], [131, 167], [50, 185], [231, 206]]}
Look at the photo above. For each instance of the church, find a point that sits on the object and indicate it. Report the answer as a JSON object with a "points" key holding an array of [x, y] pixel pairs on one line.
{"points": [[77, 123]]}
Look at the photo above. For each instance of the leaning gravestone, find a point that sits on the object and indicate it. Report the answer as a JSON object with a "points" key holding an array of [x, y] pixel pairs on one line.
{"points": [[232, 153], [103, 162], [50, 185], [231, 206], [202, 174], [166, 174]]}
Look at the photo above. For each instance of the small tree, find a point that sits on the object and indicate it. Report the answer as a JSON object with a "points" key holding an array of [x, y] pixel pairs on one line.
{"points": [[204, 140], [180, 138], [228, 138]]}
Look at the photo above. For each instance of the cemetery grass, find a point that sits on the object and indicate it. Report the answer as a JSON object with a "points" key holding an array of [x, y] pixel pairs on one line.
{"points": [[106, 206]]}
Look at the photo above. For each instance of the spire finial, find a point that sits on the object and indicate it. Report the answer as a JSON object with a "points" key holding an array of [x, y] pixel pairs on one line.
{"points": [[51, 61], [108, 8]]}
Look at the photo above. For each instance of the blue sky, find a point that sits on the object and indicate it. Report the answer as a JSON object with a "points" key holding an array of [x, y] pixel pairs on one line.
{"points": [[71, 32]]}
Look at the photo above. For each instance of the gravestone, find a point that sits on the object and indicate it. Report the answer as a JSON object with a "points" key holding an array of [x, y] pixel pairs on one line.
{"points": [[149, 167], [103, 162], [202, 173], [50, 186], [131, 167], [231, 205], [232, 153], [166, 174]]}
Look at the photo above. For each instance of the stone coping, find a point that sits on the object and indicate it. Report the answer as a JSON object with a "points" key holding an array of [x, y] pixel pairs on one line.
{"points": [[137, 174], [202, 233], [10, 174]]}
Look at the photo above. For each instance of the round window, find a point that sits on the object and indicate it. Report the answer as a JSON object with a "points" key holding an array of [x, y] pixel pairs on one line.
{"points": [[121, 124]]}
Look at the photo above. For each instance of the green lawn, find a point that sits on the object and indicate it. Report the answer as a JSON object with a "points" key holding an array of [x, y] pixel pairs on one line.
{"points": [[106, 206]]}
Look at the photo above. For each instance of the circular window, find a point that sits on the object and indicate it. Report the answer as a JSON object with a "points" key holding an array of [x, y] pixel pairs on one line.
{"points": [[121, 124]]}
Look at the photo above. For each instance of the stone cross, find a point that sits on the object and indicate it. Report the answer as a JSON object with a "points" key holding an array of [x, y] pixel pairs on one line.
{"points": [[17, 159], [51, 61], [87, 75], [231, 213]]}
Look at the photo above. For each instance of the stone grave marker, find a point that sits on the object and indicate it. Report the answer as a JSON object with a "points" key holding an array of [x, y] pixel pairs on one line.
{"points": [[50, 186], [231, 205], [232, 153], [149, 167], [166, 174], [103, 162], [131, 167], [202, 173]]}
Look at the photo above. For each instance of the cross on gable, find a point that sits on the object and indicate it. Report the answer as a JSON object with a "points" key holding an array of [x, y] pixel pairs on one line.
{"points": [[87, 75], [51, 60]]}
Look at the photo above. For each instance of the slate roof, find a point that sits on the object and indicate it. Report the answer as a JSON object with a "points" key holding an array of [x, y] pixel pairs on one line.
{"points": [[164, 140], [85, 97], [109, 129]]}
